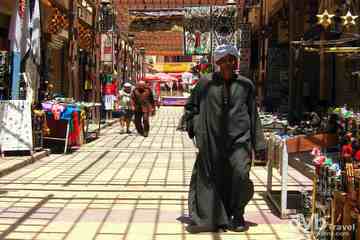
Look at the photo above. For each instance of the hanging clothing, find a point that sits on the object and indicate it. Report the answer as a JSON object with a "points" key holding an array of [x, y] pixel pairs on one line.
{"points": [[109, 102]]}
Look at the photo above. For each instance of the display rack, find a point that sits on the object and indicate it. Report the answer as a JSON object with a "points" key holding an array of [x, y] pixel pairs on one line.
{"points": [[282, 152], [57, 132], [93, 116]]}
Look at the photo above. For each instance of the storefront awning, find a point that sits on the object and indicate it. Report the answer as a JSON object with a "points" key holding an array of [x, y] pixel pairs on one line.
{"points": [[334, 49]]}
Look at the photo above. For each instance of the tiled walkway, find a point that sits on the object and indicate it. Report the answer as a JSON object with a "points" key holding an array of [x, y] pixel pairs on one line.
{"points": [[123, 187]]}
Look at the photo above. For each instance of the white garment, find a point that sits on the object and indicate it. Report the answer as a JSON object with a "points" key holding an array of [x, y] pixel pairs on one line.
{"points": [[109, 102], [224, 50]]}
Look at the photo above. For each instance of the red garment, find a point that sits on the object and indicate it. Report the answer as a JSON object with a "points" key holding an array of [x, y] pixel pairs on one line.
{"points": [[346, 150], [158, 89], [109, 89], [197, 39], [75, 134], [357, 155], [203, 67], [194, 82]]}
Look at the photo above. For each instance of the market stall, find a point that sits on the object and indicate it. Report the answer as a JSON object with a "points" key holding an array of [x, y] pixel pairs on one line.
{"points": [[168, 87], [70, 122], [335, 196], [295, 152], [330, 157]]}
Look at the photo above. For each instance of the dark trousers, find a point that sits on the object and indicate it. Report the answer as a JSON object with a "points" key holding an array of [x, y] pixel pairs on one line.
{"points": [[142, 122]]}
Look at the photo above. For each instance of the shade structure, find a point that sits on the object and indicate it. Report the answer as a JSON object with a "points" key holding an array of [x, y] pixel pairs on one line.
{"points": [[160, 77], [176, 75], [169, 43], [151, 77], [166, 4], [166, 77]]}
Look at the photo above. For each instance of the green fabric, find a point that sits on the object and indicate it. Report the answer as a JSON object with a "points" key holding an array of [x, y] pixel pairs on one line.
{"points": [[328, 162], [106, 78]]}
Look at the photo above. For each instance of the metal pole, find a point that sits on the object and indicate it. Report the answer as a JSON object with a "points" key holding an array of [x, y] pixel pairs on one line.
{"points": [[124, 63]]}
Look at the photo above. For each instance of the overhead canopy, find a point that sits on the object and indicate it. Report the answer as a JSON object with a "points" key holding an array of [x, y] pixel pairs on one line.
{"points": [[148, 23], [161, 77], [151, 77], [171, 4]]}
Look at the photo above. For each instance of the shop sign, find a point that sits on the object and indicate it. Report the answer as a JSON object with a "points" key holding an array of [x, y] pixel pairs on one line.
{"points": [[173, 67], [106, 48], [15, 121]]}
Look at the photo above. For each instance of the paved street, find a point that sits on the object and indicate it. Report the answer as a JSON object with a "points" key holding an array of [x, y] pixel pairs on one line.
{"points": [[122, 187]]}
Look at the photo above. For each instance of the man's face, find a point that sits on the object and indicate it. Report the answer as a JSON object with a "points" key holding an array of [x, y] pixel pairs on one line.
{"points": [[227, 63], [141, 86]]}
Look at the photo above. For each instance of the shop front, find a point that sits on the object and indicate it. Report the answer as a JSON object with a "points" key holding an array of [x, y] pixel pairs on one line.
{"points": [[68, 90]]}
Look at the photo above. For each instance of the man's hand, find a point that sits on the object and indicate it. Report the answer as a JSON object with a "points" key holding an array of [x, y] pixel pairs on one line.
{"points": [[260, 155]]}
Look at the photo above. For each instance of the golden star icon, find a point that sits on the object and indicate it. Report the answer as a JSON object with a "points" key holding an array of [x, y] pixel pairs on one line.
{"points": [[325, 18], [349, 19]]}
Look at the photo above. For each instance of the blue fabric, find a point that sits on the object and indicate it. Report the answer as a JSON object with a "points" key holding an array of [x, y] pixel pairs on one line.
{"points": [[15, 83], [68, 113]]}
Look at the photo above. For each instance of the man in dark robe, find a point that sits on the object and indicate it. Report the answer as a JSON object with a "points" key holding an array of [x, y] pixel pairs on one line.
{"points": [[143, 104], [221, 114]]}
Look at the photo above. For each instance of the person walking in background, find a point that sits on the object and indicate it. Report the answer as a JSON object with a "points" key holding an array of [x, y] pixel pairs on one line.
{"points": [[221, 115], [143, 105], [125, 107]]}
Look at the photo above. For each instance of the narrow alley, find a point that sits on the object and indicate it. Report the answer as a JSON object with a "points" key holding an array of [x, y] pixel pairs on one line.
{"points": [[122, 187]]}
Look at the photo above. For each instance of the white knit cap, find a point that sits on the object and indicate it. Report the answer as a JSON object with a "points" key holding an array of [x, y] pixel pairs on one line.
{"points": [[127, 84], [224, 50]]}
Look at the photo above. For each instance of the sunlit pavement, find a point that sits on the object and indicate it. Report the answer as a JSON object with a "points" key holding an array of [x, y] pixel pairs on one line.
{"points": [[123, 187]]}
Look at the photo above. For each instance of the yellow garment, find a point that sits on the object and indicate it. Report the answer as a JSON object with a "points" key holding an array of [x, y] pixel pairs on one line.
{"points": [[88, 84]]}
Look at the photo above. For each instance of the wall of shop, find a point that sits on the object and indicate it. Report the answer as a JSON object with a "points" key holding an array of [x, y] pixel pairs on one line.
{"points": [[347, 81], [4, 31], [54, 49], [7, 6], [310, 85]]}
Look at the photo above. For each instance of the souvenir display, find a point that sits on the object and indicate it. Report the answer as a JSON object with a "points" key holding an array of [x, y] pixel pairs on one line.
{"points": [[336, 183]]}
